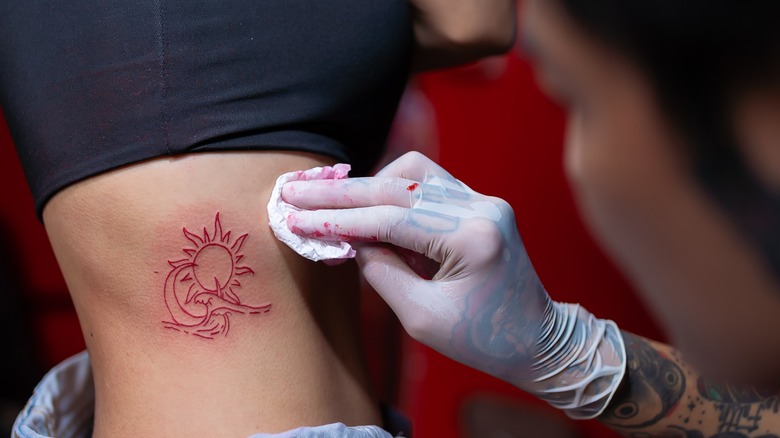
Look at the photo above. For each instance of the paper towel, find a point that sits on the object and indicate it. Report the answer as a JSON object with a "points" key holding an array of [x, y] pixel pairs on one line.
{"points": [[278, 210]]}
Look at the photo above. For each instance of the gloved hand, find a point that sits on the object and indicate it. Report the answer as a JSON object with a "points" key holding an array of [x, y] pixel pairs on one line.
{"points": [[484, 306]]}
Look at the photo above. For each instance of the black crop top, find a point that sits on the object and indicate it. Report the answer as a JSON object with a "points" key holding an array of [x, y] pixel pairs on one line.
{"points": [[87, 86]]}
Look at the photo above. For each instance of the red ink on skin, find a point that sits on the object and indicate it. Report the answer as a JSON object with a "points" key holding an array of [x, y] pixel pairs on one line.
{"points": [[413, 187], [208, 275]]}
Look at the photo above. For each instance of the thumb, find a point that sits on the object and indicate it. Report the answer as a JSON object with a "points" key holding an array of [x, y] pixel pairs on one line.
{"points": [[413, 299]]}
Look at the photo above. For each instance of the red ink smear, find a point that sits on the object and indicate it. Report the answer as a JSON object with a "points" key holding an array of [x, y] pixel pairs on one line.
{"points": [[300, 231], [293, 222], [413, 187]]}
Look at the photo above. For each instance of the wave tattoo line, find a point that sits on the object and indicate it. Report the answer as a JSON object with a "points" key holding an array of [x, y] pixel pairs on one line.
{"points": [[200, 291]]}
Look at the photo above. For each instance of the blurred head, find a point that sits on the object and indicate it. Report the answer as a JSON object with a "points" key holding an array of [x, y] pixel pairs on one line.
{"points": [[700, 75], [663, 96], [656, 89]]}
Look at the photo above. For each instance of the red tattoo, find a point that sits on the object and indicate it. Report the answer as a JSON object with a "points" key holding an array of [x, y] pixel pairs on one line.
{"points": [[200, 290]]}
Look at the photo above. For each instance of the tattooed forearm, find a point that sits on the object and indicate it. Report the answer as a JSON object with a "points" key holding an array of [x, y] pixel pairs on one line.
{"points": [[661, 396], [653, 385]]}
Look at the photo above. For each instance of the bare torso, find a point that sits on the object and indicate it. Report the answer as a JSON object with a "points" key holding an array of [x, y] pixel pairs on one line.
{"points": [[219, 328]]}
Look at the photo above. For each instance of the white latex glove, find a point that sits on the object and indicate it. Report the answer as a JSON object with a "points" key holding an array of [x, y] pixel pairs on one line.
{"points": [[485, 306]]}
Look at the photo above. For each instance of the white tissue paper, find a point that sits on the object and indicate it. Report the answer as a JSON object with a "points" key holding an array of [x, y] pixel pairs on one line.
{"points": [[278, 210]]}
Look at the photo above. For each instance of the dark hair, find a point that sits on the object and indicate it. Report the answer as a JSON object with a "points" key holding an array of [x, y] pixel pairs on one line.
{"points": [[701, 55]]}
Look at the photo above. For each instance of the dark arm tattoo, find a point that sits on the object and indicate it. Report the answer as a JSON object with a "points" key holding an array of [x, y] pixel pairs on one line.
{"points": [[650, 376], [661, 396]]}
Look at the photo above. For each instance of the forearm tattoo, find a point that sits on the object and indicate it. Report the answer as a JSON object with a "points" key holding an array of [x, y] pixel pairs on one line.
{"points": [[661, 396], [201, 290]]}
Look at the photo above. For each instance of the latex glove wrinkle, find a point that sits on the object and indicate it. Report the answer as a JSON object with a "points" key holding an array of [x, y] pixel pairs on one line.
{"points": [[485, 307]]}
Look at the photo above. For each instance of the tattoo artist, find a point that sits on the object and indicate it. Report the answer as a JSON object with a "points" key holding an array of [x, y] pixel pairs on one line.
{"points": [[673, 149]]}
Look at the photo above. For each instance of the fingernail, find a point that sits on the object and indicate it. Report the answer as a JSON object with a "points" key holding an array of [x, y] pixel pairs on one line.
{"points": [[291, 189]]}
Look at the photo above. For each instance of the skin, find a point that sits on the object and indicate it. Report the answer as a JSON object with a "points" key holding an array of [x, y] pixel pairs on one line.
{"points": [[114, 240], [452, 32], [663, 396]]}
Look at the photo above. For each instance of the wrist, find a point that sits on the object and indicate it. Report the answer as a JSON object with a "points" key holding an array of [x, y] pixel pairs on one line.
{"points": [[579, 363]]}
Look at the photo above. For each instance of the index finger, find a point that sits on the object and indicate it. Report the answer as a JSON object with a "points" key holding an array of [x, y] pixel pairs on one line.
{"points": [[418, 231], [351, 193]]}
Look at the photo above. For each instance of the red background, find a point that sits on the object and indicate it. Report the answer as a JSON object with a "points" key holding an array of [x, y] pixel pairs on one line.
{"points": [[497, 133]]}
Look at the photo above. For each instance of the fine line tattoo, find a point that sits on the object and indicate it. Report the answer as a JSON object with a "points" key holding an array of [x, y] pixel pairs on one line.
{"points": [[200, 291]]}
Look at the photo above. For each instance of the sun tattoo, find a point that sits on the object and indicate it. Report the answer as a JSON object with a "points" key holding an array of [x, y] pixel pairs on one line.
{"points": [[200, 290]]}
